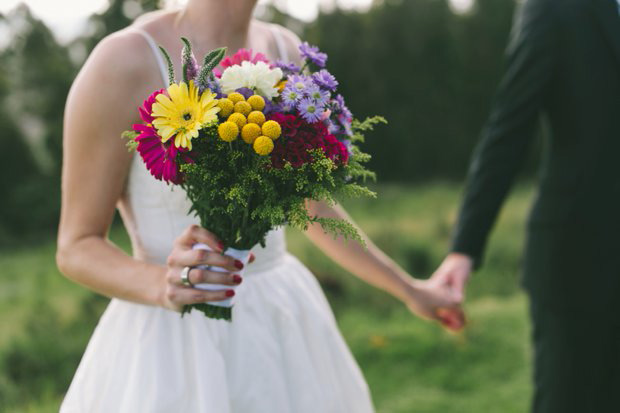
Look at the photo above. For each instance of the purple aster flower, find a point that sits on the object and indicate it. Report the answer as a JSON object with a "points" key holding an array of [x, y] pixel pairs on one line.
{"points": [[340, 127], [325, 80], [288, 68], [271, 107], [315, 93], [245, 91], [214, 86], [313, 54], [340, 107], [346, 124], [333, 127], [349, 145], [300, 83], [310, 110], [291, 96]]}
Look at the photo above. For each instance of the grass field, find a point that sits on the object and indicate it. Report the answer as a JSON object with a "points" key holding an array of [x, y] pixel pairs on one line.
{"points": [[411, 366]]}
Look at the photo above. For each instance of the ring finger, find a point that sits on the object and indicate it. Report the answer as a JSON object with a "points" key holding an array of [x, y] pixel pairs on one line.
{"points": [[198, 276]]}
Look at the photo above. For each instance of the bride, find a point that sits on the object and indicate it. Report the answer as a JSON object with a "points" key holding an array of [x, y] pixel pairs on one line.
{"points": [[283, 352]]}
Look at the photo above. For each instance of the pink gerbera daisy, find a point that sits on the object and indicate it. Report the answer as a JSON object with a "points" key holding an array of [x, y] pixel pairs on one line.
{"points": [[160, 158], [147, 107]]}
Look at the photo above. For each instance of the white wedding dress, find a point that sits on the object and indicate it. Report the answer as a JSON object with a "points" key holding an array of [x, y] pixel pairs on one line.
{"points": [[282, 353]]}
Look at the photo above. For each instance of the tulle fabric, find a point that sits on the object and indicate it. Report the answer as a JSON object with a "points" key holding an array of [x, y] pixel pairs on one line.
{"points": [[282, 353]]}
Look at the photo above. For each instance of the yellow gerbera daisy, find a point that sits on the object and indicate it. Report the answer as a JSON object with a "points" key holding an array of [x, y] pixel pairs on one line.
{"points": [[183, 113]]}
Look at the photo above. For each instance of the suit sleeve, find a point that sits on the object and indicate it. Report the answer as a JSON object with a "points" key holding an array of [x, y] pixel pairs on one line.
{"points": [[511, 125]]}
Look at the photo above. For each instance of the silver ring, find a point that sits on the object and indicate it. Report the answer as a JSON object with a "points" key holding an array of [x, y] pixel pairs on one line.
{"points": [[185, 277]]}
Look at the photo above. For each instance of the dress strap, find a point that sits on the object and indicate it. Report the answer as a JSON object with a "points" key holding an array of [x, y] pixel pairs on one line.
{"points": [[277, 36], [156, 53]]}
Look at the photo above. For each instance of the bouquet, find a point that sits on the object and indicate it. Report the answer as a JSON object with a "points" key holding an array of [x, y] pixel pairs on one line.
{"points": [[250, 143]]}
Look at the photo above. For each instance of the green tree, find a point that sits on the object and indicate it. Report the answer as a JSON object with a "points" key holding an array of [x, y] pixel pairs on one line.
{"points": [[430, 71], [36, 73]]}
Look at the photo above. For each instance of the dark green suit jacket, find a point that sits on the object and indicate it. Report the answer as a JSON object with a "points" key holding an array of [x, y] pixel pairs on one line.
{"points": [[563, 65]]}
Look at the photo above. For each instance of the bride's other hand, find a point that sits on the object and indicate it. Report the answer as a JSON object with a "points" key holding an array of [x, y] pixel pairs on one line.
{"points": [[430, 301], [453, 274], [175, 294]]}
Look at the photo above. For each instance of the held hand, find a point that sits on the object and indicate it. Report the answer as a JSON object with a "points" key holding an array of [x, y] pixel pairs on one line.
{"points": [[434, 303], [174, 293], [452, 275]]}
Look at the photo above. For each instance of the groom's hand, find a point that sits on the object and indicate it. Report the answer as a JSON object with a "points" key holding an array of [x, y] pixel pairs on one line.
{"points": [[452, 275]]}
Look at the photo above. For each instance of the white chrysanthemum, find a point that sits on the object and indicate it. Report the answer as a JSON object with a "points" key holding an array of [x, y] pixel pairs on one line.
{"points": [[257, 76]]}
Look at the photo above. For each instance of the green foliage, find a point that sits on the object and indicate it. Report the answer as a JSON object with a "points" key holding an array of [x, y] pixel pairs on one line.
{"points": [[339, 227], [239, 196], [211, 60], [365, 126], [130, 140], [171, 76], [212, 311]]}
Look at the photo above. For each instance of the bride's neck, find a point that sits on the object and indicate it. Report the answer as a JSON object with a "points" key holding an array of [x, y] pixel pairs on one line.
{"points": [[225, 22]]}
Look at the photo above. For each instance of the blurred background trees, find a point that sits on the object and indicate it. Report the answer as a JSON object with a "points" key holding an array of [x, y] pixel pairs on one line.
{"points": [[429, 70]]}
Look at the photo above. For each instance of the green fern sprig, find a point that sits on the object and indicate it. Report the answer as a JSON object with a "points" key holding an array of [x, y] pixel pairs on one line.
{"points": [[211, 60], [171, 76], [131, 143]]}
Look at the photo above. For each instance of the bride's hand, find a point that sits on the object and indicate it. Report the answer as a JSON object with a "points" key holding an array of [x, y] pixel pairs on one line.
{"points": [[432, 302], [174, 294]]}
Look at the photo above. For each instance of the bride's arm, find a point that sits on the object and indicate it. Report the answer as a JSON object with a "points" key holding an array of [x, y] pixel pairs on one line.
{"points": [[101, 104], [373, 266]]}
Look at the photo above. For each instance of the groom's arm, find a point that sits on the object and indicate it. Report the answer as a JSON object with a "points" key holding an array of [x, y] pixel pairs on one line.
{"points": [[505, 138], [511, 125]]}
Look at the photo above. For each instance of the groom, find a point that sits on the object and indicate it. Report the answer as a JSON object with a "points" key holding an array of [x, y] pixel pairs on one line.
{"points": [[564, 66]]}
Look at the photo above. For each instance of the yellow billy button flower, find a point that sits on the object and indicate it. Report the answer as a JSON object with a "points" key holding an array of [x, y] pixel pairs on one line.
{"points": [[272, 129], [235, 97], [256, 117], [243, 107], [257, 102], [228, 131], [239, 119], [263, 145], [226, 107], [250, 132]]}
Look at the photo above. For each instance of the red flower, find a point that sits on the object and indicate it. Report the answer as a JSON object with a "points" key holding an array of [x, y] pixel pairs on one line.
{"points": [[146, 108], [299, 137]]}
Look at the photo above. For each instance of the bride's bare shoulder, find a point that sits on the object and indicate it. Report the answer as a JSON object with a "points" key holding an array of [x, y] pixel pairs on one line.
{"points": [[128, 47], [120, 55], [124, 57]]}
